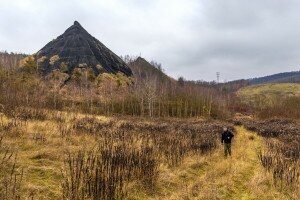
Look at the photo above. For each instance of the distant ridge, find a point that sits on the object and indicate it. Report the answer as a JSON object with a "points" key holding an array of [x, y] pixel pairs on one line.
{"points": [[76, 48], [285, 77]]}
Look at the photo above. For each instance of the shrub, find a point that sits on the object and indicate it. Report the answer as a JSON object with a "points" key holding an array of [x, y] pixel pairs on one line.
{"points": [[54, 59]]}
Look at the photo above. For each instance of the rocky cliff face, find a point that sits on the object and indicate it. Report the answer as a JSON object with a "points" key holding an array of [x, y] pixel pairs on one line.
{"points": [[76, 48]]}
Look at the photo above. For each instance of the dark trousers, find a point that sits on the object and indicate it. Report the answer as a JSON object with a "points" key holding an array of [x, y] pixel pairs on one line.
{"points": [[227, 149]]}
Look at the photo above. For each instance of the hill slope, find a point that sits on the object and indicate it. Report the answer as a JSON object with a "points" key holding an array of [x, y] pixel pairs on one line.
{"points": [[270, 90], [142, 68]]}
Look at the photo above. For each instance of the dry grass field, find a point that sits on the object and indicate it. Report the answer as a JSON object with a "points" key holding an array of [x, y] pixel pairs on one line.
{"points": [[58, 155]]}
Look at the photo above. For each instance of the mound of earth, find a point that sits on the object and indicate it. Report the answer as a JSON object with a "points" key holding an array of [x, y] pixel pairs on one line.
{"points": [[76, 48]]}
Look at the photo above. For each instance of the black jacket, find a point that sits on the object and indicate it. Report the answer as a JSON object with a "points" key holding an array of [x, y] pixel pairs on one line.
{"points": [[227, 136]]}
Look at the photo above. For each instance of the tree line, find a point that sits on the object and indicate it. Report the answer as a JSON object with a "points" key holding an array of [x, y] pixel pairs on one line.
{"points": [[148, 93], [144, 94]]}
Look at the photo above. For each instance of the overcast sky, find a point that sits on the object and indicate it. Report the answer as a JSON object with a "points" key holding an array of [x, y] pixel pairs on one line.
{"points": [[191, 38]]}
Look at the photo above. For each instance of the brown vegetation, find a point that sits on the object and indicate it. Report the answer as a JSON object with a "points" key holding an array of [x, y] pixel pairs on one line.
{"points": [[10, 60], [109, 94], [121, 153], [10, 173], [156, 127], [281, 155]]}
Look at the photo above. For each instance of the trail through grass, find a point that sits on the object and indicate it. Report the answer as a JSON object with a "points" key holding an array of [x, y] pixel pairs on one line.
{"points": [[215, 177]]}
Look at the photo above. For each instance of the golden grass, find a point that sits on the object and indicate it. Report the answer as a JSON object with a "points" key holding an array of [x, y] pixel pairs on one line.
{"points": [[206, 177], [270, 90], [214, 177], [42, 160]]}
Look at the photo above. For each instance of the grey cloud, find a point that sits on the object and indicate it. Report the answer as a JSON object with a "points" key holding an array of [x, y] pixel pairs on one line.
{"points": [[194, 38]]}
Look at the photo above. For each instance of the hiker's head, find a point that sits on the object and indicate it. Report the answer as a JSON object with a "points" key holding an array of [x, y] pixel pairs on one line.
{"points": [[225, 129]]}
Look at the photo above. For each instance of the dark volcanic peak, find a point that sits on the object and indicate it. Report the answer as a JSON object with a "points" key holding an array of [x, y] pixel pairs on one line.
{"points": [[76, 48]]}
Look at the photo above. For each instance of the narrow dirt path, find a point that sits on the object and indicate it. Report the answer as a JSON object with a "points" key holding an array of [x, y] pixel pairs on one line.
{"points": [[215, 177]]}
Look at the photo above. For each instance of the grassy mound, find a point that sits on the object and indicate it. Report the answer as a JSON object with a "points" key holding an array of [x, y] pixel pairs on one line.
{"points": [[271, 90]]}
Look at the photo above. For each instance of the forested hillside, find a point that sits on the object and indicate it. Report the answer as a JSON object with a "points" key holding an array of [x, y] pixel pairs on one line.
{"points": [[285, 77]]}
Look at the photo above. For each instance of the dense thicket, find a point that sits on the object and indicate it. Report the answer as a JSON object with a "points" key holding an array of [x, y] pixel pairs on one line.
{"points": [[109, 94]]}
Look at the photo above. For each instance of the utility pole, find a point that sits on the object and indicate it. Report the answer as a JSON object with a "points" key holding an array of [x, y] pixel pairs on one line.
{"points": [[218, 77]]}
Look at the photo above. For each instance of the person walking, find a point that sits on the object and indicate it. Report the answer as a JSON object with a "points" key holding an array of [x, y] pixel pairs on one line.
{"points": [[226, 141]]}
